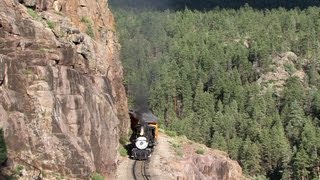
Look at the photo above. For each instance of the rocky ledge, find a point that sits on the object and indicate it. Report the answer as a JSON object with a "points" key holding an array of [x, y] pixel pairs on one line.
{"points": [[177, 158]]}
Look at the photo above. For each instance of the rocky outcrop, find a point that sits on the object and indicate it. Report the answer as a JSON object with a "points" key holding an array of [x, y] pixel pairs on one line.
{"points": [[214, 167], [63, 105], [177, 158], [282, 68]]}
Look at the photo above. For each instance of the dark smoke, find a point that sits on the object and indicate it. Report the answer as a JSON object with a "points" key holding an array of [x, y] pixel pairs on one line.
{"points": [[140, 97]]}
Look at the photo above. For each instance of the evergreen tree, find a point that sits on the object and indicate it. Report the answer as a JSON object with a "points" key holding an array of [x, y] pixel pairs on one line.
{"points": [[301, 164], [294, 123], [250, 157]]}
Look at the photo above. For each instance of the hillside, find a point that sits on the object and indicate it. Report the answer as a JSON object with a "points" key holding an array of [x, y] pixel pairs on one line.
{"points": [[243, 80]]}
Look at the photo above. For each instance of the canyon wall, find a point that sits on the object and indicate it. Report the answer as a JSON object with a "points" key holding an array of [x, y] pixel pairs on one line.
{"points": [[63, 105]]}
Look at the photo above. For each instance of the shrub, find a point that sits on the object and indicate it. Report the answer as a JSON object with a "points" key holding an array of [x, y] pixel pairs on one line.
{"points": [[51, 24], [85, 20], [123, 140], [97, 176], [123, 152], [43, 50], [171, 133], [58, 176], [33, 13], [90, 31], [16, 173], [200, 151], [259, 177], [175, 144], [88, 23], [289, 68], [179, 152]]}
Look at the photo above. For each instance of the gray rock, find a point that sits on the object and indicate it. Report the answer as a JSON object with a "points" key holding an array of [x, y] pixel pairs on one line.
{"points": [[30, 3]]}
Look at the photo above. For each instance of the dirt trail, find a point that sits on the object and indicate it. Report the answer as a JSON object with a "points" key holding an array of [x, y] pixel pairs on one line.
{"points": [[124, 171], [161, 156]]}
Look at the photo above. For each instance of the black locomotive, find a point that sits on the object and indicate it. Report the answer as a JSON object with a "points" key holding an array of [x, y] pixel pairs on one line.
{"points": [[144, 126]]}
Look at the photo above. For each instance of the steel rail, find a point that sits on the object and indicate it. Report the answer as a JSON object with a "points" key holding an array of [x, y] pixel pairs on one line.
{"points": [[139, 170]]}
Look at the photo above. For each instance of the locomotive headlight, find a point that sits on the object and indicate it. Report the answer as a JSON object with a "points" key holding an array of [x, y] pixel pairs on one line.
{"points": [[141, 143]]}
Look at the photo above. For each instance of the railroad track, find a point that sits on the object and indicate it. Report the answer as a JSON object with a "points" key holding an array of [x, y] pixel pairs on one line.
{"points": [[140, 170]]}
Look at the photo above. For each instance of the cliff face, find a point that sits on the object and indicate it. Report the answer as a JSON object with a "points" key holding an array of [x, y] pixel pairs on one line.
{"points": [[63, 105]]}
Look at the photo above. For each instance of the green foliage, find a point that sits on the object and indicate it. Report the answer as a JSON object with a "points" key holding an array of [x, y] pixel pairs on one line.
{"points": [[90, 31], [44, 50], [175, 144], [206, 5], [16, 172], [259, 177], [124, 139], [97, 176], [201, 74], [89, 25], [171, 133], [33, 14], [28, 72], [200, 151], [3, 148], [177, 147], [123, 151], [51, 24], [58, 176]]}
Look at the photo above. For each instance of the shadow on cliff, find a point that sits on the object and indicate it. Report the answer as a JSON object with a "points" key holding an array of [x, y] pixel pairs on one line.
{"points": [[3, 157], [205, 5]]}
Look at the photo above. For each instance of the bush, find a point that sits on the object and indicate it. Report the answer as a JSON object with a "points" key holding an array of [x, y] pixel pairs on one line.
{"points": [[123, 152], [175, 144], [88, 22], [200, 151], [179, 152], [171, 133], [97, 176], [32, 13], [123, 140], [16, 173], [85, 20], [90, 31], [51, 24]]}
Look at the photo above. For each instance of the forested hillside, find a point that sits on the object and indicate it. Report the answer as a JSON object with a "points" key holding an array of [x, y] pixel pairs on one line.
{"points": [[210, 4], [241, 80]]}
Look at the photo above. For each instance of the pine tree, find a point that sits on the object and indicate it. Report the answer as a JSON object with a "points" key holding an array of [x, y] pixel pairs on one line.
{"points": [[301, 164], [294, 123], [250, 157]]}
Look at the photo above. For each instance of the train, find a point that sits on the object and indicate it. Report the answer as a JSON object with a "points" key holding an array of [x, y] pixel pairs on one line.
{"points": [[145, 132]]}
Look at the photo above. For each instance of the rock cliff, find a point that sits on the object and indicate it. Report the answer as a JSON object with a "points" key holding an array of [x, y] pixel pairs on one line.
{"points": [[63, 106]]}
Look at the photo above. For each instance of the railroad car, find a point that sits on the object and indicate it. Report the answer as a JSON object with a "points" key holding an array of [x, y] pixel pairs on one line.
{"points": [[144, 126]]}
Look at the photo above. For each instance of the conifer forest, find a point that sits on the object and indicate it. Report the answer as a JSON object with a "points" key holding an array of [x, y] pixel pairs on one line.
{"points": [[239, 76]]}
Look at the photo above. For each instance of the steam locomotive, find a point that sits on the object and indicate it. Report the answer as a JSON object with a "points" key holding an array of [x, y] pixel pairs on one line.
{"points": [[144, 126]]}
